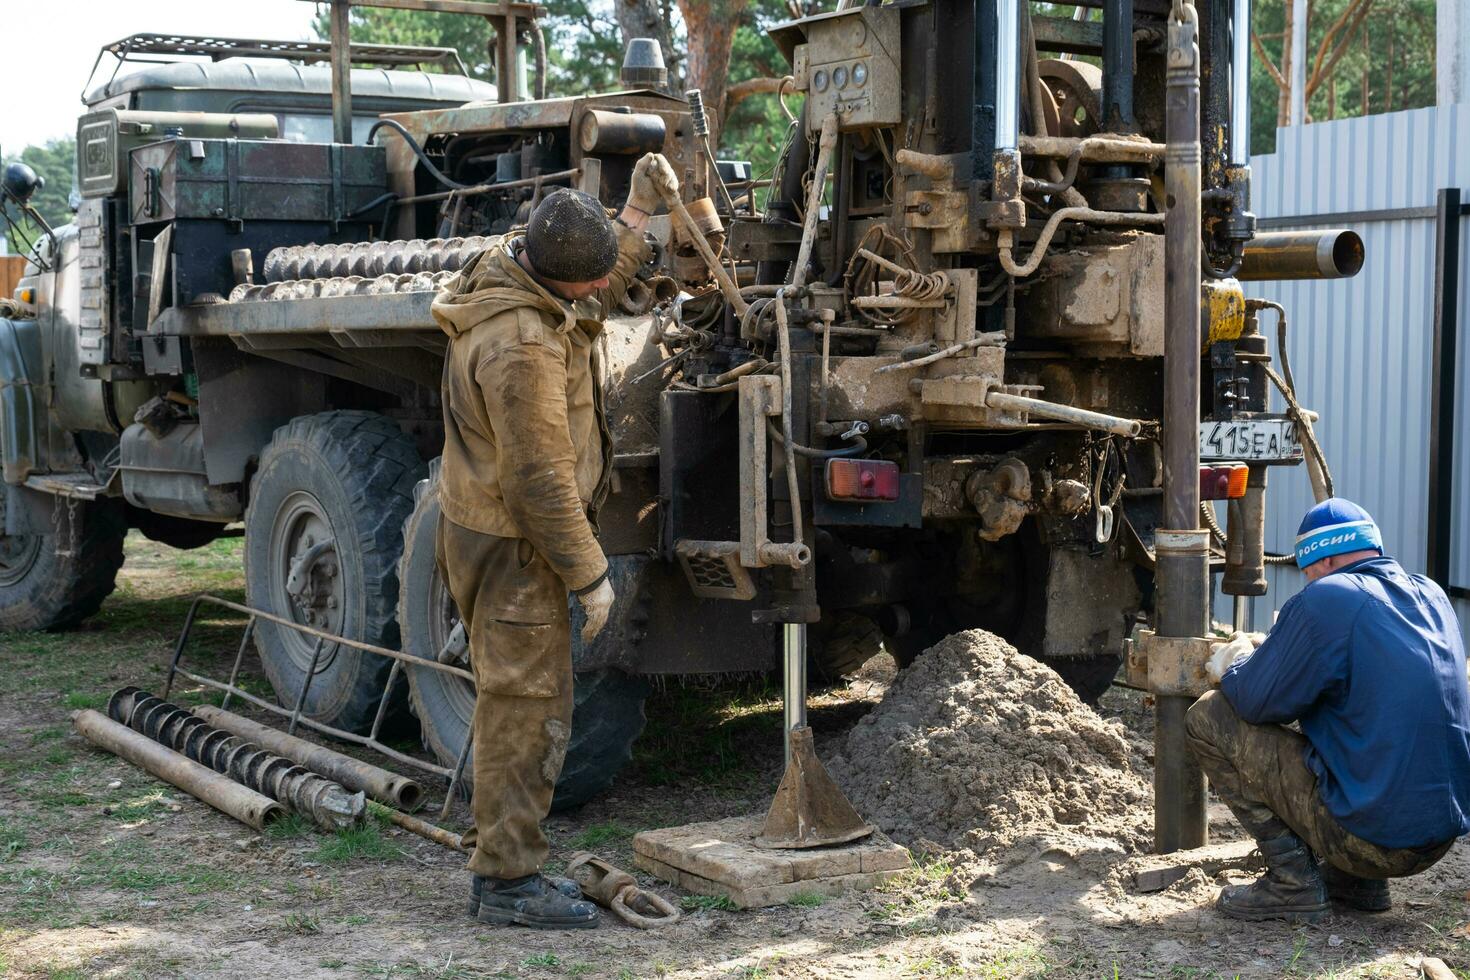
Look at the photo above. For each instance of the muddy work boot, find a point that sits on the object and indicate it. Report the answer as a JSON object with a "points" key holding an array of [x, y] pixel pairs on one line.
{"points": [[535, 901], [1291, 888], [1363, 894], [566, 886]]}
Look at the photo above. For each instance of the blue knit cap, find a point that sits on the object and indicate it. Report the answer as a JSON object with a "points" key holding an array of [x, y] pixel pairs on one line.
{"points": [[1334, 527]]}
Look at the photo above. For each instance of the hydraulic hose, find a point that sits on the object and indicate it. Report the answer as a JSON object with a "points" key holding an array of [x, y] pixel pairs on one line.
{"points": [[418, 151]]}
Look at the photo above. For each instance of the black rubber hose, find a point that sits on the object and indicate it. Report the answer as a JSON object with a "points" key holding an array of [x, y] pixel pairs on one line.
{"points": [[417, 151]]}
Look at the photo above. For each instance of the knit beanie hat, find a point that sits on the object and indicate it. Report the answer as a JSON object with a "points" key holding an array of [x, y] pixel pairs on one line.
{"points": [[569, 238], [1334, 527]]}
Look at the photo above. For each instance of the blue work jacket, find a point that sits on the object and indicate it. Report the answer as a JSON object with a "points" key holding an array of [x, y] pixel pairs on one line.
{"points": [[1369, 660]]}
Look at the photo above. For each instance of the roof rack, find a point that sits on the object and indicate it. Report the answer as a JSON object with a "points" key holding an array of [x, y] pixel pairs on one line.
{"points": [[171, 47]]}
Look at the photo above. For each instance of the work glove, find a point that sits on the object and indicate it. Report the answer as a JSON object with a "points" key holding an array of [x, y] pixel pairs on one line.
{"points": [[652, 178], [595, 606], [1222, 655]]}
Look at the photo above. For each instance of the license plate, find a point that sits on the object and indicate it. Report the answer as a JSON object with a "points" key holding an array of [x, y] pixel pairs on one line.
{"points": [[1249, 440]]}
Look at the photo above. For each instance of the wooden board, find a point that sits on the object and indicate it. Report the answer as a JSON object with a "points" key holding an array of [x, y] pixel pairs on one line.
{"points": [[12, 267], [720, 858]]}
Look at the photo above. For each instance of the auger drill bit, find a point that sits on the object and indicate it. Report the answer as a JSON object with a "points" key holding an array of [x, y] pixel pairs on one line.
{"points": [[328, 804]]}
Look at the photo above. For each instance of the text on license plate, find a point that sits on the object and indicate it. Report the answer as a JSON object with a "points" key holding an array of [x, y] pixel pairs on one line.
{"points": [[1249, 439]]}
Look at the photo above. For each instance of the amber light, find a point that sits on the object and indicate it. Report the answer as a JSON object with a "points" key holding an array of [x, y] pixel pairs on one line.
{"points": [[862, 479], [1223, 481]]}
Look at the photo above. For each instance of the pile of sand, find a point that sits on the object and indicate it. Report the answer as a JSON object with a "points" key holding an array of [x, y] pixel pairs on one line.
{"points": [[979, 747]]}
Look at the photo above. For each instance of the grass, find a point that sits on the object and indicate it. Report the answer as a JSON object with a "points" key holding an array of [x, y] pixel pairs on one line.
{"points": [[708, 737], [365, 843], [290, 827], [807, 900], [542, 959], [599, 834], [700, 903], [302, 923], [12, 841]]}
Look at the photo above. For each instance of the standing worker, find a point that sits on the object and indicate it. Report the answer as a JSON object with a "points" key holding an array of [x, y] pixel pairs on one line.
{"points": [[527, 460], [1368, 659]]}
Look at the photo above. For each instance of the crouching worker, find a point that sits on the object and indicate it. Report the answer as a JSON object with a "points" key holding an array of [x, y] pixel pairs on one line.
{"points": [[1368, 659], [527, 460]]}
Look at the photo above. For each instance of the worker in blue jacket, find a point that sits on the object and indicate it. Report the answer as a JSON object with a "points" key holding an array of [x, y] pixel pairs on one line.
{"points": [[1368, 660]]}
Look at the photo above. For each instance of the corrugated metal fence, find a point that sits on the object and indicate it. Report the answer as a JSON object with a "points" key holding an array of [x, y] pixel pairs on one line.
{"points": [[1363, 350]]}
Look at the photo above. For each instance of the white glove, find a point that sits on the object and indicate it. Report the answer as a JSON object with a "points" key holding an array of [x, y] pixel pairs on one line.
{"points": [[596, 605], [1222, 655]]}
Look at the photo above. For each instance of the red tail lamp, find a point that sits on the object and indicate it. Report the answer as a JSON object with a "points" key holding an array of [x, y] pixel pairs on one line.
{"points": [[862, 479], [1223, 481]]}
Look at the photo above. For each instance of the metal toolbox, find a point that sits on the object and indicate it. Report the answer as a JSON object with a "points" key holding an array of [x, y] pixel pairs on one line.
{"points": [[246, 180]]}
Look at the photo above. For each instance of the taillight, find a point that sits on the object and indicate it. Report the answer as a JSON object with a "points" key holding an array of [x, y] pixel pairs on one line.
{"points": [[1223, 481], [862, 479]]}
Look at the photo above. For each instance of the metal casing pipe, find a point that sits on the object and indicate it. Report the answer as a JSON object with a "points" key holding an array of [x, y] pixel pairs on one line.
{"points": [[1335, 253], [378, 783], [1182, 576], [621, 132], [220, 792]]}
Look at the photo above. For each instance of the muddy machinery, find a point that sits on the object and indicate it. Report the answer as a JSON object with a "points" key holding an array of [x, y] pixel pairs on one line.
{"points": [[973, 359]]}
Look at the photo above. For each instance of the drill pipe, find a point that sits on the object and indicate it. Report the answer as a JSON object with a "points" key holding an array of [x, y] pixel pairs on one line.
{"points": [[380, 784], [225, 795], [371, 259], [328, 804], [1183, 563]]}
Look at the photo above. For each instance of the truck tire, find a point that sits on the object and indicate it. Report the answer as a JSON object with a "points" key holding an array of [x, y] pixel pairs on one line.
{"points": [[42, 590], [607, 712], [841, 644], [329, 500]]}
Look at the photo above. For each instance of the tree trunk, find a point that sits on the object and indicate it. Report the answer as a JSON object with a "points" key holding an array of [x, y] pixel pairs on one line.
{"points": [[711, 27], [1388, 83], [1283, 95], [1366, 62], [649, 18]]}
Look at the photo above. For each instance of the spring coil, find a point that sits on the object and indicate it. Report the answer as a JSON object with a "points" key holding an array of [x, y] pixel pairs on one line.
{"points": [[921, 285], [328, 804]]}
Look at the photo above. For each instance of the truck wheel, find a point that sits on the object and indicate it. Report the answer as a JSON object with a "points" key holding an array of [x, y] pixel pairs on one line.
{"points": [[42, 590], [322, 540], [841, 643], [607, 712]]}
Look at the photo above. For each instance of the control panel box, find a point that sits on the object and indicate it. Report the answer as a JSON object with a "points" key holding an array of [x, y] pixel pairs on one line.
{"points": [[849, 65]]}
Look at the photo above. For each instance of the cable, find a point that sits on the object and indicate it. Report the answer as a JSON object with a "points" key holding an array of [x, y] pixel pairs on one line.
{"points": [[417, 151], [859, 444]]}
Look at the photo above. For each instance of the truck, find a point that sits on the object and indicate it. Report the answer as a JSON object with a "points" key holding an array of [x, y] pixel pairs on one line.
{"points": [[971, 356]]}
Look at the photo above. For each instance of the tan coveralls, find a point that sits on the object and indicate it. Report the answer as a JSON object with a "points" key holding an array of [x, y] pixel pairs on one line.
{"points": [[527, 460]]}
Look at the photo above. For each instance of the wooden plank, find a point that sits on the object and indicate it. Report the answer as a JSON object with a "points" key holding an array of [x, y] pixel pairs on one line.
{"points": [[12, 268]]}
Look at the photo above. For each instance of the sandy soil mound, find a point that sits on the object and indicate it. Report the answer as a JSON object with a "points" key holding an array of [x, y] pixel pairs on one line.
{"points": [[979, 747]]}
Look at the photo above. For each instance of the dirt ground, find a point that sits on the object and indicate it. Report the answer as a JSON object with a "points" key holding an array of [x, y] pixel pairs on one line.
{"points": [[105, 872]]}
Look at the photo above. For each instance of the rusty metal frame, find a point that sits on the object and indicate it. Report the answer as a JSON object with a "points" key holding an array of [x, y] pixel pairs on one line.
{"points": [[322, 637]]}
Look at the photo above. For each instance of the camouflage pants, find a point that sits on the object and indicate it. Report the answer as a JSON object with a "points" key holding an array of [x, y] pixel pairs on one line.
{"points": [[515, 614], [1259, 772]]}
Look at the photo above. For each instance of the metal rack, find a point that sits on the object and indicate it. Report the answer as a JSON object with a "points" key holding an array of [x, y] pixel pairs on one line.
{"points": [[294, 714]]}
